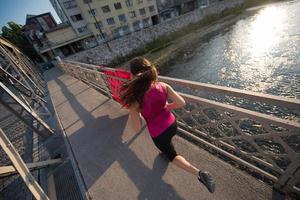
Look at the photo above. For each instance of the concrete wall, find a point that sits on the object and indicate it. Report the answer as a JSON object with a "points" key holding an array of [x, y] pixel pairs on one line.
{"points": [[61, 35], [125, 45]]}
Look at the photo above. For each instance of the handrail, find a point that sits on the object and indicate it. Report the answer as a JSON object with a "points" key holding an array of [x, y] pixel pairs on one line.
{"points": [[234, 92], [90, 66], [266, 98], [238, 133], [243, 112]]}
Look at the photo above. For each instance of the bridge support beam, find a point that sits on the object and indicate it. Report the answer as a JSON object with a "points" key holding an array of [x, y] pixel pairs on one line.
{"points": [[21, 167]]}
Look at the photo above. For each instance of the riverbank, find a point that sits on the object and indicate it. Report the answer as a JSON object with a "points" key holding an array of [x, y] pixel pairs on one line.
{"points": [[177, 45], [182, 49]]}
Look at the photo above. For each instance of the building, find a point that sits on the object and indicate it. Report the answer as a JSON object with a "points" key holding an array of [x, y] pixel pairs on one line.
{"points": [[59, 11], [50, 39], [168, 9], [108, 19], [69, 11]]}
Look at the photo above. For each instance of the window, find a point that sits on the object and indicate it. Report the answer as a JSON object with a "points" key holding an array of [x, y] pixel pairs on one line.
{"points": [[117, 32], [132, 14], [70, 4], [126, 29], [92, 12], [122, 18], [129, 3], [136, 25], [151, 8], [98, 25], [110, 21], [76, 18], [146, 22], [139, 1], [117, 5], [105, 9], [142, 11], [87, 1], [82, 29]]}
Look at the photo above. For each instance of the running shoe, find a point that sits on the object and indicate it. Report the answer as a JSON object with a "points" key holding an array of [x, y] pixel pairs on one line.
{"points": [[207, 180]]}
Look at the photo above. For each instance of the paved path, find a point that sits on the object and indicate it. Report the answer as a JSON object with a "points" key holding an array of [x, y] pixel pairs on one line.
{"points": [[118, 164]]}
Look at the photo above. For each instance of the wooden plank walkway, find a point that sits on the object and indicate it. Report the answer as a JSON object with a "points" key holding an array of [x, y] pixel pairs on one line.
{"points": [[117, 163]]}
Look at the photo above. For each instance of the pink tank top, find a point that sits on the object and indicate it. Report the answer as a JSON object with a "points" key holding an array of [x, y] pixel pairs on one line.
{"points": [[157, 117]]}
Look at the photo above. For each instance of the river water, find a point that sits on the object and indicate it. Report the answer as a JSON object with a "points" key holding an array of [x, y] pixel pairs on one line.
{"points": [[261, 53], [258, 53]]}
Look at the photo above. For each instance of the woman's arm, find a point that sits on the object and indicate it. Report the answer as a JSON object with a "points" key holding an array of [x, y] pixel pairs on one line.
{"points": [[134, 113], [177, 100]]}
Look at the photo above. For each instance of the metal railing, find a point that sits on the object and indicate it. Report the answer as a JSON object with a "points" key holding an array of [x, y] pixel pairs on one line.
{"points": [[21, 94], [264, 143]]}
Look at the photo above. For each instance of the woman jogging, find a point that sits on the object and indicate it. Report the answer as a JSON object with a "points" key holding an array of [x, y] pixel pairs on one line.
{"points": [[145, 96]]}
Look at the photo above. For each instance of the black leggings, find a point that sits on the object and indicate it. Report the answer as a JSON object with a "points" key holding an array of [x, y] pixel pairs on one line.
{"points": [[164, 142]]}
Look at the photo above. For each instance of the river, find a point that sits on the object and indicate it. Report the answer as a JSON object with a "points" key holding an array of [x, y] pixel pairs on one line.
{"points": [[258, 53]]}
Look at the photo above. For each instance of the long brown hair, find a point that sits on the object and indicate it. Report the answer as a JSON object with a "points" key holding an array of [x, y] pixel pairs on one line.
{"points": [[144, 74]]}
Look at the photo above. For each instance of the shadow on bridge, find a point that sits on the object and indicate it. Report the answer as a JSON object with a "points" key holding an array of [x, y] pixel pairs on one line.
{"points": [[116, 163], [97, 144]]}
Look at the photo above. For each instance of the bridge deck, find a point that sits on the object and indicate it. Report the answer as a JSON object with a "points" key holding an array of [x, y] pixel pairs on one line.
{"points": [[118, 164]]}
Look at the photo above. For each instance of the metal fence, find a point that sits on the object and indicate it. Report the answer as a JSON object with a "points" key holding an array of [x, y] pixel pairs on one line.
{"points": [[264, 143], [22, 125]]}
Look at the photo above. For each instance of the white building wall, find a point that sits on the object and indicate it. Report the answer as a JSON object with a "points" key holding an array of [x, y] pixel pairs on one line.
{"points": [[59, 11], [68, 12]]}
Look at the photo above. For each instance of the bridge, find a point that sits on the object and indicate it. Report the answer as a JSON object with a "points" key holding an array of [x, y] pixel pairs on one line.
{"points": [[89, 150]]}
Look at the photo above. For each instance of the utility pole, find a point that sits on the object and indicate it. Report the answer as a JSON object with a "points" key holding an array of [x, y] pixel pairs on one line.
{"points": [[98, 27]]}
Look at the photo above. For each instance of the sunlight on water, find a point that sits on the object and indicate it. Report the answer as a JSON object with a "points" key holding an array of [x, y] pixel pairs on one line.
{"points": [[258, 40], [259, 52], [266, 30]]}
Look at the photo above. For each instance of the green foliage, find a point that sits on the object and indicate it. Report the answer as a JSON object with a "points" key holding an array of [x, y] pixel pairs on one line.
{"points": [[14, 33]]}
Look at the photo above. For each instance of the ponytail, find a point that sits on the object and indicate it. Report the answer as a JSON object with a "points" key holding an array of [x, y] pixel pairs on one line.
{"points": [[144, 75]]}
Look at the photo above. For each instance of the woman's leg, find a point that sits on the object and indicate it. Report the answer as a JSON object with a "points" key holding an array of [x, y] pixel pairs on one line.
{"points": [[169, 150], [204, 177], [164, 143], [182, 163]]}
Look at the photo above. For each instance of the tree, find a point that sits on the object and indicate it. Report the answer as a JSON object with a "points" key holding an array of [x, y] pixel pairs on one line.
{"points": [[14, 33]]}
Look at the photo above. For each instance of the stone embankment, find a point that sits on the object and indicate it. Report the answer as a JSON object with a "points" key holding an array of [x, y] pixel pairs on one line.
{"points": [[126, 45]]}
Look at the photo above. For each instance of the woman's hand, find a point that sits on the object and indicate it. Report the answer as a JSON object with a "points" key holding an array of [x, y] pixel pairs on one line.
{"points": [[170, 106]]}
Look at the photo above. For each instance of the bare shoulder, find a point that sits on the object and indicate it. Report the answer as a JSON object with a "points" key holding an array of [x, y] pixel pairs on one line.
{"points": [[166, 86]]}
